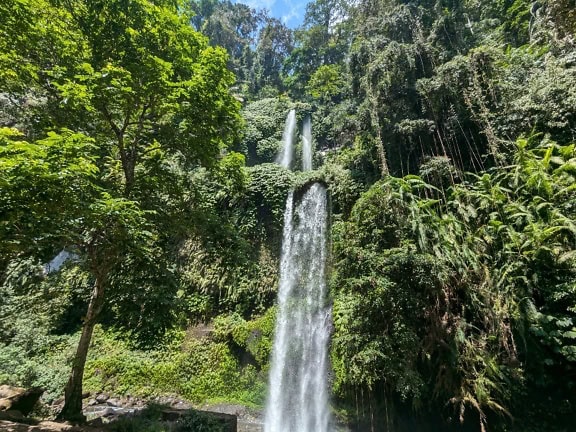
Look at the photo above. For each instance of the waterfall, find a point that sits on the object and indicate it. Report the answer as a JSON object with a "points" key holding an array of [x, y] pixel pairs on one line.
{"points": [[58, 261], [284, 158], [307, 144], [298, 386]]}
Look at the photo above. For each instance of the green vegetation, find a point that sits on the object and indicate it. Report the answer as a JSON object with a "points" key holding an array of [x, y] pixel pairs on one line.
{"points": [[482, 280], [150, 420], [198, 370], [139, 137]]}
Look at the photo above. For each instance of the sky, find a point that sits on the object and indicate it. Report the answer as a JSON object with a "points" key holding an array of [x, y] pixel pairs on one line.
{"points": [[290, 12]]}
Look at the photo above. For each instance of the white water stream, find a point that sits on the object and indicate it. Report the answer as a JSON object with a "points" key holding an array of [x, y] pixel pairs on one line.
{"points": [[298, 387], [298, 394], [307, 144], [298, 384], [284, 158]]}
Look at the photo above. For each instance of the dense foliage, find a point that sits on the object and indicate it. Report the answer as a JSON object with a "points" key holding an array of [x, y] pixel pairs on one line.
{"points": [[445, 130], [468, 299]]}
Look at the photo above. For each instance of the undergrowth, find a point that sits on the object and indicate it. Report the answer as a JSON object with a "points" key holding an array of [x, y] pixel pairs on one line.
{"points": [[198, 370]]}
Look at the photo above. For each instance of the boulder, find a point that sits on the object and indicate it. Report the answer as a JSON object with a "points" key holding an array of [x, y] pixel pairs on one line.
{"points": [[11, 415], [108, 412], [113, 403], [101, 398], [19, 399]]}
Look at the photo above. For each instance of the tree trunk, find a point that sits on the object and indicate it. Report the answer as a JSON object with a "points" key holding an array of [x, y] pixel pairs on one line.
{"points": [[72, 409], [384, 171]]}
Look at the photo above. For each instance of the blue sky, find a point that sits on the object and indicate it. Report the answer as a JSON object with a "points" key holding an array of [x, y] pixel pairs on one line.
{"points": [[290, 12]]}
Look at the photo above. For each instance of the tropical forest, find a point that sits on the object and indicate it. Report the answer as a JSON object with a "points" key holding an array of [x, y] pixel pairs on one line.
{"points": [[213, 221]]}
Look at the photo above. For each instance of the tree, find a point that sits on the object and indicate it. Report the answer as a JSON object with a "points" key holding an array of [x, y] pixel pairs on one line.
{"points": [[326, 83], [489, 300], [233, 26], [274, 44], [154, 100], [323, 40]]}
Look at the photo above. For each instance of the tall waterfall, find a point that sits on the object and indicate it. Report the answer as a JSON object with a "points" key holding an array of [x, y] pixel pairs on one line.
{"points": [[284, 158], [307, 144], [298, 394]]}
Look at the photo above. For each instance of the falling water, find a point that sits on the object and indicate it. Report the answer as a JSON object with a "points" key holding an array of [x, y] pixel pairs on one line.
{"points": [[298, 395], [307, 144], [58, 261], [284, 158]]}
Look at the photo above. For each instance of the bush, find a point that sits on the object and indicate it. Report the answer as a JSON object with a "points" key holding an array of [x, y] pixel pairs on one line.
{"points": [[197, 370], [255, 336], [150, 420], [196, 421]]}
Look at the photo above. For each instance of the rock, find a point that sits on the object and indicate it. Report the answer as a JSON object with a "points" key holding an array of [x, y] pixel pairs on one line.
{"points": [[11, 415], [113, 403], [92, 402], [19, 399], [165, 400], [7, 391], [86, 395], [180, 405], [108, 412], [101, 398], [244, 426], [58, 402]]}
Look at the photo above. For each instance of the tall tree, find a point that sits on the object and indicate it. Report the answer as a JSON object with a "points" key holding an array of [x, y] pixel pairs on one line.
{"points": [[274, 44], [233, 26], [322, 40], [154, 98]]}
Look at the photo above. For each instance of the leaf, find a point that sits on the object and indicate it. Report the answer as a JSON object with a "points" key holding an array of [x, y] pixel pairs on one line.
{"points": [[564, 322]]}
